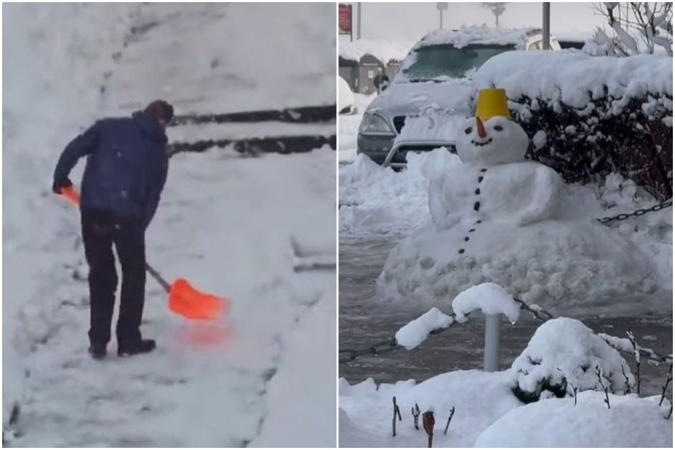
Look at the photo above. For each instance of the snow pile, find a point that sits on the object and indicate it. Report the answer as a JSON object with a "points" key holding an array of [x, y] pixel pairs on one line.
{"points": [[490, 298], [377, 199], [631, 422], [479, 399], [577, 79], [563, 266], [476, 34], [562, 356], [414, 333], [385, 51]]}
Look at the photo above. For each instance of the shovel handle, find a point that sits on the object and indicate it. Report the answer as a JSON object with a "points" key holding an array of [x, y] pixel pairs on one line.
{"points": [[158, 277], [72, 195]]}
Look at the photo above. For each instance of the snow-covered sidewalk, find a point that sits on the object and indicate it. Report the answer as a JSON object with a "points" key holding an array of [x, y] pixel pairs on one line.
{"points": [[224, 222]]}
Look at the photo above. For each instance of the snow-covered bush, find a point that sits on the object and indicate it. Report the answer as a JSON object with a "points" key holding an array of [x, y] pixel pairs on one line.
{"points": [[647, 27], [599, 115], [562, 356]]}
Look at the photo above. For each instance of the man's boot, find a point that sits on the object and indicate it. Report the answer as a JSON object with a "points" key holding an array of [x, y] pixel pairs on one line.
{"points": [[98, 351], [134, 348]]}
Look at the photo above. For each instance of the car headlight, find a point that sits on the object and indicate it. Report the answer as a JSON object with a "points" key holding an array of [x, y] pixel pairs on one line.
{"points": [[374, 124]]}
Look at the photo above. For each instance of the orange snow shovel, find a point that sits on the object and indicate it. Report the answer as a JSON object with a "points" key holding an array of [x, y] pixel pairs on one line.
{"points": [[183, 298]]}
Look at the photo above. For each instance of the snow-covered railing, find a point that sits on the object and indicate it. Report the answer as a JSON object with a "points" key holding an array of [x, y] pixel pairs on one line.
{"points": [[298, 141]]}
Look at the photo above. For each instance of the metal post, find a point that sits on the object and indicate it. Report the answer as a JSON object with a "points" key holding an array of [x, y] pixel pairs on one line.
{"points": [[493, 331], [547, 26], [441, 19], [358, 15]]}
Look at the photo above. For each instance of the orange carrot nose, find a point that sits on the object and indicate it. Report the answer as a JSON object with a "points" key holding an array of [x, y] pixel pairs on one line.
{"points": [[480, 128]]}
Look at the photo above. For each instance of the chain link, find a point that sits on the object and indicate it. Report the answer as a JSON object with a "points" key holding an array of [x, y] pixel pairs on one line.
{"points": [[391, 345], [636, 213]]}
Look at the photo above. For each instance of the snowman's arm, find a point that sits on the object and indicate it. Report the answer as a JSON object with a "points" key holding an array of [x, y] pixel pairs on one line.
{"points": [[437, 208], [544, 196]]}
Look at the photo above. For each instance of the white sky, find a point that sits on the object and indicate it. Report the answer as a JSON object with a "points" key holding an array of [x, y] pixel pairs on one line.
{"points": [[410, 21]]}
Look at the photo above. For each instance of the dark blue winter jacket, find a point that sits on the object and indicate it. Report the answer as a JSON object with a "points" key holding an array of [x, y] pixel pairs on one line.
{"points": [[126, 167]]}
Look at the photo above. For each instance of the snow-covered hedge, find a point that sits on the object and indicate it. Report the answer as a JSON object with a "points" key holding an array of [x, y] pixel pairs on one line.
{"points": [[562, 356], [591, 116]]}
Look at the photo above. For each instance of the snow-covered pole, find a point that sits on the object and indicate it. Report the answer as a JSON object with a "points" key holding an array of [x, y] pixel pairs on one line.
{"points": [[547, 26], [494, 301], [493, 335]]}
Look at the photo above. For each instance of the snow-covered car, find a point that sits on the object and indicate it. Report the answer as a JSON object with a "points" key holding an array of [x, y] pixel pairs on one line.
{"points": [[345, 98], [434, 83]]}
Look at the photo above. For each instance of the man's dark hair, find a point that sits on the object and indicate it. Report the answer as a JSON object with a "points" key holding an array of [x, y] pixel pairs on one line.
{"points": [[160, 110]]}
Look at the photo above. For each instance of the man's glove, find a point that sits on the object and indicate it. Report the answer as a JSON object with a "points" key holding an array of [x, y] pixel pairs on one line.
{"points": [[61, 184]]}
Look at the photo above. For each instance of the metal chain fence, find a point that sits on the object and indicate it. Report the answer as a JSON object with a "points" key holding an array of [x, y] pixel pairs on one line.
{"points": [[391, 345], [636, 213]]}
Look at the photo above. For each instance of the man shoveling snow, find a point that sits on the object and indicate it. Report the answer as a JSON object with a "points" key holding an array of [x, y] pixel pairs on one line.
{"points": [[125, 174]]}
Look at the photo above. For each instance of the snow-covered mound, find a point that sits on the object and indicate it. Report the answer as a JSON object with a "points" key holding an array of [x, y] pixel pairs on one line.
{"points": [[241, 382], [559, 265], [631, 422], [380, 200], [576, 79], [479, 399], [563, 355]]}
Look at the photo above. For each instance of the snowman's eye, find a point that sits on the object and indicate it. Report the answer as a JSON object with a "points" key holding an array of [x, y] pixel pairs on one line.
{"points": [[467, 130], [499, 128]]}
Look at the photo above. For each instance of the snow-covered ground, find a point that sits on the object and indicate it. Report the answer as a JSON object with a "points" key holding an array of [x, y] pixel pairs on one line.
{"points": [[552, 396], [224, 222], [349, 128]]}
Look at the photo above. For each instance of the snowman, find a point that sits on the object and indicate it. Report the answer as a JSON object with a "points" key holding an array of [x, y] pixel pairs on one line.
{"points": [[496, 218], [495, 183]]}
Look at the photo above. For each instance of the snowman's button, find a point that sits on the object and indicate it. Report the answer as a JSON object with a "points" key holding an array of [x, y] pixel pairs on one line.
{"points": [[476, 207], [480, 179], [461, 250], [478, 221], [478, 191], [466, 239], [472, 230], [483, 170]]}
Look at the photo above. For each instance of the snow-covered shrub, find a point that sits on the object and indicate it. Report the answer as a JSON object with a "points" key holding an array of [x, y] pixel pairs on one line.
{"points": [[561, 357], [599, 115]]}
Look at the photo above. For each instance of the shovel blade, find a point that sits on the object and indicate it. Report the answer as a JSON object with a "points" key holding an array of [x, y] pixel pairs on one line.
{"points": [[193, 304]]}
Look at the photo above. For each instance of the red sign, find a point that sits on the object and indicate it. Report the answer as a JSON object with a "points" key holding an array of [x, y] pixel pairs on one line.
{"points": [[345, 19]]}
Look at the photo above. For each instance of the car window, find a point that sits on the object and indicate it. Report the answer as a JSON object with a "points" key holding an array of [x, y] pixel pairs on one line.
{"points": [[439, 61]]}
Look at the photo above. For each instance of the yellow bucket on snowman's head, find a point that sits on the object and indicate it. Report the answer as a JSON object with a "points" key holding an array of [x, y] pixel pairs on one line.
{"points": [[492, 102]]}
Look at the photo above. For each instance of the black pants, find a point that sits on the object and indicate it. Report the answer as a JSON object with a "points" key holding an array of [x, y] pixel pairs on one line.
{"points": [[100, 230]]}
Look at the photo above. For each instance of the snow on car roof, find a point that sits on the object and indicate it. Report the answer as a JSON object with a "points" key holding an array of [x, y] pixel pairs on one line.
{"points": [[477, 35], [385, 51]]}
